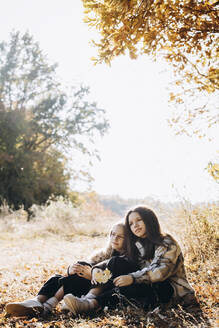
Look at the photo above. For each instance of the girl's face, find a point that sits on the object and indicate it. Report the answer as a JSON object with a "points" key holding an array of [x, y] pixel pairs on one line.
{"points": [[117, 238], [137, 225]]}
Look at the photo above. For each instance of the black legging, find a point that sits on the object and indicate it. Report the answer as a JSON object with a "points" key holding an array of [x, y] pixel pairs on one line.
{"points": [[72, 284], [148, 294]]}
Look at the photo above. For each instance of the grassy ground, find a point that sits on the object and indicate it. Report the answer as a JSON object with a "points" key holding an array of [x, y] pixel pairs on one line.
{"points": [[32, 252]]}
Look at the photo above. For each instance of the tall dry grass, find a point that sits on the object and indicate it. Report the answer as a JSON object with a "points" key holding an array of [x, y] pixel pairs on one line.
{"points": [[77, 232], [197, 230], [202, 233], [195, 227], [58, 217]]}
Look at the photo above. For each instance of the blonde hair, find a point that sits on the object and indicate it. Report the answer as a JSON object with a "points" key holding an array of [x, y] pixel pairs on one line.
{"points": [[107, 252]]}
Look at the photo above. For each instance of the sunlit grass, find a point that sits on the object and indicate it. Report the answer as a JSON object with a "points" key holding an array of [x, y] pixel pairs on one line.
{"points": [[59, 234]]}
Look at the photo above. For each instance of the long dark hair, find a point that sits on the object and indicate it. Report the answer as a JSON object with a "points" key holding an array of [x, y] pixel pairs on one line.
{"points": [[153, 234]]}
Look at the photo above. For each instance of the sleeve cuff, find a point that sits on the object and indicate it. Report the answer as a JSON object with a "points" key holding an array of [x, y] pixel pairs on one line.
{"points": [[133, 277]]}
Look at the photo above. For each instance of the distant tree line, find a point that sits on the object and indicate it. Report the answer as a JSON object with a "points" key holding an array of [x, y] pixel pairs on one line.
{"points": [[121, 205], [41, 125]]}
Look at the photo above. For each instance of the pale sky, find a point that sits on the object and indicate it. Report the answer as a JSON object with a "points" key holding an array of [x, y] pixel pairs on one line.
{"points": [[140, 156]]}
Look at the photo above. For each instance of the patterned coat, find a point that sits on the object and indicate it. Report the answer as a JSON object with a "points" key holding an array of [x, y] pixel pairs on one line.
{"points": [[168, 263], [101, 256]]}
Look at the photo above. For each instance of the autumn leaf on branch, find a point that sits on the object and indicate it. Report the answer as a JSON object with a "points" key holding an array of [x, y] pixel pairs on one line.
{"points": [[184, 33]]}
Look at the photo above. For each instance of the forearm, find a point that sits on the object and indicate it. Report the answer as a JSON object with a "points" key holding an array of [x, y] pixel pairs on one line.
{"points": [[163, 265], [102, 265]]}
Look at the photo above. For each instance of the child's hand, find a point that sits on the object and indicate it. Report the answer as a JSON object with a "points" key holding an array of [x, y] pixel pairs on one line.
{"points": [[121, 281], [95, 273], [72, 269], [83, 271]]}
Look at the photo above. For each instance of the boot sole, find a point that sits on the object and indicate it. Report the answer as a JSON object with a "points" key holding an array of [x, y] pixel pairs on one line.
{"points": [[21, 310]]}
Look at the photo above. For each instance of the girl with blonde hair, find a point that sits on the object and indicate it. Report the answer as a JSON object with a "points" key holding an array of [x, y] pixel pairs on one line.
{"points": [[77, 281]]}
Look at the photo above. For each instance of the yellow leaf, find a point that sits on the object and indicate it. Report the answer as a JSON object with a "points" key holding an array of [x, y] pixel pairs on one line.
{"points": [[103, 276]]}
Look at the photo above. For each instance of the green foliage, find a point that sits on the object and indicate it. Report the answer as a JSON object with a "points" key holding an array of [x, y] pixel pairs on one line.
{"points": [[27, 176], [39, 123]]}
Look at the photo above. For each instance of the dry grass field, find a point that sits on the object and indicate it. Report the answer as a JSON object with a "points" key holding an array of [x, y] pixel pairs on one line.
{"points": [[58, 235]]}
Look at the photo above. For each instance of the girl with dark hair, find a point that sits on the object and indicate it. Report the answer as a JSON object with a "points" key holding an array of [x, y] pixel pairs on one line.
{"points": [[77, 281], [159, 273], [159, 257]]}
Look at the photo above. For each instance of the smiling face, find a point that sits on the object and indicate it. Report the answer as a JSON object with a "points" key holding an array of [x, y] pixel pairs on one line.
{"points": [[137, 225], [117, 238]]}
